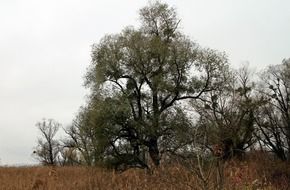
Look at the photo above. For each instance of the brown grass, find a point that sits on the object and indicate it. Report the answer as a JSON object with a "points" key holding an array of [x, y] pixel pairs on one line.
{"points": [[253, 173]]}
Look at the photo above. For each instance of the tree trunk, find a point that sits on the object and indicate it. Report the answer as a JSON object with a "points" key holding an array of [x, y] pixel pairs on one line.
{"points": [[281, 154], [288, 140], [154, 151], [51, 158]]}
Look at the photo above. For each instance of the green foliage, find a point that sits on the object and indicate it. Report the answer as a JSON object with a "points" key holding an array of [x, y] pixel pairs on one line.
{"points": [[137, 77]]}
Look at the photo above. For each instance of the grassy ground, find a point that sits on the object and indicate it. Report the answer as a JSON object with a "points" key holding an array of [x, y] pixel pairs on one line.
{"points": [[254, 173]]}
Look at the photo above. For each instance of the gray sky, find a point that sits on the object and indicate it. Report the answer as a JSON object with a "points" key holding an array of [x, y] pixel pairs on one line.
{"points": [[45, 48]]}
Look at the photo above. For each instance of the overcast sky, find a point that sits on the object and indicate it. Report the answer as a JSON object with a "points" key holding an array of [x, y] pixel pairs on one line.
{"points": [[45, 49]]}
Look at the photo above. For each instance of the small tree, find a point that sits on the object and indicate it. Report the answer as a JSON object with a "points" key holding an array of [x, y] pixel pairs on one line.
{"points": [[47, 147], [227, 114], [273, 119]]}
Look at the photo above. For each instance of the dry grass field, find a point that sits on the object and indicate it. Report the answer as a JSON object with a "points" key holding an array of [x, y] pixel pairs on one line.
{"points": [[257, 173]]}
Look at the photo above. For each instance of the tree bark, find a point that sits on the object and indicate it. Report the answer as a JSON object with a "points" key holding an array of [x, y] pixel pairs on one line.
{"points": [[154, 151]]}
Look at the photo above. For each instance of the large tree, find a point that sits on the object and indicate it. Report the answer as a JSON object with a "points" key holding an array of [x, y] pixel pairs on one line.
{"points": [[142, 76]]}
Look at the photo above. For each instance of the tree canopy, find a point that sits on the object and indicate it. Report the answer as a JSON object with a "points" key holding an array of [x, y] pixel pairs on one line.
{"points": [[141, 75]]}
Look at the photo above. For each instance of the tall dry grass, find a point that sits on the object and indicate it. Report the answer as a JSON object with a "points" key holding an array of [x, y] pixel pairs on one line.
{"points": [[255, 172]]}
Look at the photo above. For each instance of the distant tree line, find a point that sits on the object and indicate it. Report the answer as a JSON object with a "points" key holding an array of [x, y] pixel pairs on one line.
{"points": [[155, 95]]}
